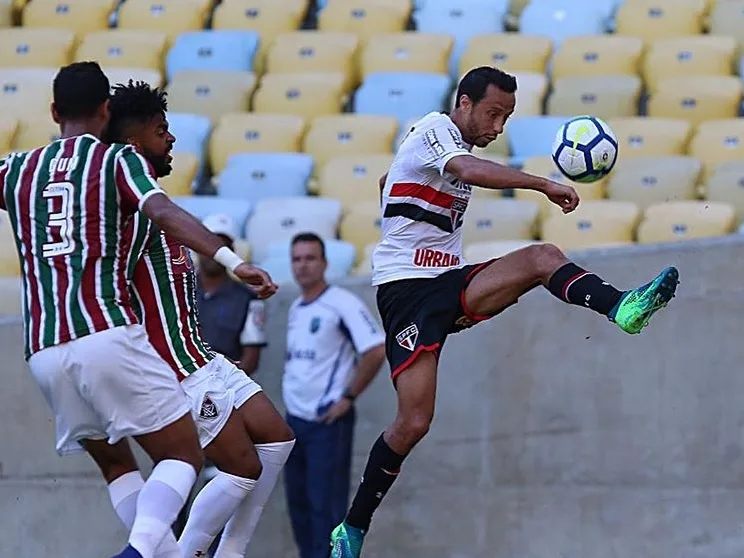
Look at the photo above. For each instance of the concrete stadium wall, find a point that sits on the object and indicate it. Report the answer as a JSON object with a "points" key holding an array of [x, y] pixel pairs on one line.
{"points": [[556, 435]]}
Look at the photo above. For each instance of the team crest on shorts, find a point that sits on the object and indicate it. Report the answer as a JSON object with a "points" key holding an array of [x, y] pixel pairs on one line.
{"points": [[208, 409], [408, 337]]}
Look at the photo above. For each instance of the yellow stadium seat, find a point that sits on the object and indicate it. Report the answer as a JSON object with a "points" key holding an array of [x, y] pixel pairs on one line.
{"points": [[179, 181], [123, 75], [211, 93], [727, 19], [360, 226], [9, 266], [653, 19], [597, 55], [594, 223], [478, 252], [349, 134], [649, 180], [696, 99], [353, 178], [407, 52], [80, 16], [8, 129], [602, 96], [366, 18], [702, 55], [511, 52], [171, 17], [246, 133], [126, 48], [26, 91], [307, 95], [718, 141], [6, 15], [685, 220], [313, 51], [21, 47], [500, 219], [35, 131], [646, 137], [727, 185]]}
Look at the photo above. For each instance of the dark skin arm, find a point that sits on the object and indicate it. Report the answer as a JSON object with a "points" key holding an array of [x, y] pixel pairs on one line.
{"points": [[249, 359]]}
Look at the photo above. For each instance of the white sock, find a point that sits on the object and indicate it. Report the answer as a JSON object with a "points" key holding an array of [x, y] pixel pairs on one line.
{"points": [[159, 503], [242, 524], [123, 493], [211, 509]]}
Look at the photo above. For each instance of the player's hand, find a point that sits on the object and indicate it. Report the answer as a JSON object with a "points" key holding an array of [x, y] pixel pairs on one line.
{"points": [[562, 195], [257, 279], [337, 410]]}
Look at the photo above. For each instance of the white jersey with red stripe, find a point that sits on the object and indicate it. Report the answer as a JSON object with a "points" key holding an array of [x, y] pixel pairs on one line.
{"points": [[422, 205]]}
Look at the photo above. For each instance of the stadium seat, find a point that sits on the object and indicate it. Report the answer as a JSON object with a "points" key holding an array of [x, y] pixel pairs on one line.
{"points": [[606, 8], [718, 141], [191, 132], [530, 136], [211, 93], [35, 47], [559, 21], [124, 48], [602, 96], [349, 134], [171, 17], [654, 19], [511, 52], [223, 50], [727, 19], [727, 185], [364, 267], [500, 219], [684, 220], [34, 131], [361, 225], [79, 16], [8, 129], [279, 219], [6, 15], [26, 92], [307, 95], [696, 99], [479, 252], [180, 181], [594, 223], [123, 75], [365, 18], [340, 256], [9, 265], [10, 296], [243, 132], [702, 55], [598, 55], [313, 51], [462, 20], [649, 180], [645, 136], [402, 95], [353, 178], [257, 176], [407, 52], [202, 207]]}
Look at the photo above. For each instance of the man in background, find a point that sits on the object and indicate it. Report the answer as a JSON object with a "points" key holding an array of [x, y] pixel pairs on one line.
{"points": [[334, 350]]}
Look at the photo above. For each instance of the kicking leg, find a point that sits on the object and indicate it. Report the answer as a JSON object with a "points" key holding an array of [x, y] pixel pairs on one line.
{"points": [[503, 281]]}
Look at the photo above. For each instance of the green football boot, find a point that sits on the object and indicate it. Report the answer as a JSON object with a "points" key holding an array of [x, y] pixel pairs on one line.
{"points": [[346, 542], [635, 308]]}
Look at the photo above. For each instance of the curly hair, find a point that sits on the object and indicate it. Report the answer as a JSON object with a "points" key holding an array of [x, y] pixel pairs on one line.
{"points": [[134, 103]]}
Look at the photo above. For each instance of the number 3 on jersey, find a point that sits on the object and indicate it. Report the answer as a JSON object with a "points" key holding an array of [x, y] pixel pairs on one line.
{"points": [[59, 223]]}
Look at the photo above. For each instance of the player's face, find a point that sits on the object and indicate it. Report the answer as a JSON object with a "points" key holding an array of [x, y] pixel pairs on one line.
{"points": [[308, 264], [155, 142], [486, 119]]}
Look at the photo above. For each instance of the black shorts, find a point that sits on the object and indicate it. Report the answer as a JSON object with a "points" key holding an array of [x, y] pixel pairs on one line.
{"points": [[419, 314]]}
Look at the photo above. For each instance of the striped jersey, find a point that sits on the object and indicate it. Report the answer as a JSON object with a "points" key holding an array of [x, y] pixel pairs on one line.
{"points": [[422, 205], [69, 204], [164, 299]]}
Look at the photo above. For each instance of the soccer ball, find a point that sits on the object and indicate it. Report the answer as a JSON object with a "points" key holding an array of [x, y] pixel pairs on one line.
{"points": [[585, 149]]}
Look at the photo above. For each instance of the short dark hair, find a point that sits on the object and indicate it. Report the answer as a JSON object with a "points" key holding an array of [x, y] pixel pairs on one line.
{"points": [[477, 80], [79, 90], [310, 237], [133, 103]]}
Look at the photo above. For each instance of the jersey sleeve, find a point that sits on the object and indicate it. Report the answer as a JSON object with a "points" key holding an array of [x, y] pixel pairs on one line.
{"points": [[134, 177], [441, 142], [254, 329], [363, 328]]}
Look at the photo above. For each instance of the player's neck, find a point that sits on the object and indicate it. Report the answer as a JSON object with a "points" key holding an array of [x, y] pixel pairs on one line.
{"points": [[456, 117], [311, 293], [71, 129]]}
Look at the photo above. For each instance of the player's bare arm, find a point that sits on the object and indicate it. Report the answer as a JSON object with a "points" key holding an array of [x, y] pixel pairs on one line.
{"points": [[487, 174]]}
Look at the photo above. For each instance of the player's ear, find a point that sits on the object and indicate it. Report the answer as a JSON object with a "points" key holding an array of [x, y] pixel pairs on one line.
{"points": [[55, 113]]}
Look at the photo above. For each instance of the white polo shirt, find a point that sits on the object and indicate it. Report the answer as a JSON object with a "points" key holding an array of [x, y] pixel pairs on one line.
{"points": [[324, 338]]}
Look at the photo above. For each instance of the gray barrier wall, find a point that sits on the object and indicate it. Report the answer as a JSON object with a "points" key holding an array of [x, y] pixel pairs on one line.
{"points": [[557, 436]]}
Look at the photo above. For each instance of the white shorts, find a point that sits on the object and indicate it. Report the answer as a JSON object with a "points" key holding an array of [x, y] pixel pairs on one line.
{"points": [[214, 391], [110, 384]]}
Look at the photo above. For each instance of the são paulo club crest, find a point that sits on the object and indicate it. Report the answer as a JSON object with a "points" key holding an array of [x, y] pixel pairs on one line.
{"points": [[408, 337], [457, 212]]}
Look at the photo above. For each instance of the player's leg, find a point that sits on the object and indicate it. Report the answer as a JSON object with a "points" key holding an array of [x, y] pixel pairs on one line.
{"points": [[500, 283]]}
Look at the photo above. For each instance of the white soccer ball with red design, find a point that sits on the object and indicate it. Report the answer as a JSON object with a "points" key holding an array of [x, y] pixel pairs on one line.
{"points": [[585, 149]]}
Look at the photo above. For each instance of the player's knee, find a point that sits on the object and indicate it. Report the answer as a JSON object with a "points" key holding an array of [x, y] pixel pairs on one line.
{"points": [[241, 461], [545, 258], [414, 427]]}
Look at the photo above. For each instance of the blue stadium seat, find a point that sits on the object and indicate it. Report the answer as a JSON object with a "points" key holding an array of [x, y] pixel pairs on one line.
{"points": [[532, 136], [402, 95], [202, 207], [606, 7], [340, 255], [462, 20], [256, 176], [191, 132], [231, 50], [561, 19]]}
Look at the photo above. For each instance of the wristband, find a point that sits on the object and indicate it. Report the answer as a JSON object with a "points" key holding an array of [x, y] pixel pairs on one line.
{"points": [[227, 258], [349, 396]]}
